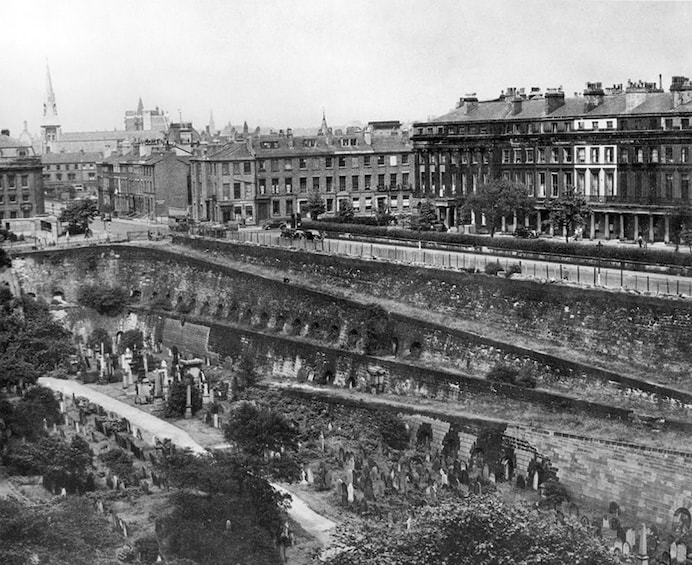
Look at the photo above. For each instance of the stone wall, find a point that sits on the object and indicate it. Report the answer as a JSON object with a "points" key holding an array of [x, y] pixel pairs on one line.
{"points": [[643, 331]]}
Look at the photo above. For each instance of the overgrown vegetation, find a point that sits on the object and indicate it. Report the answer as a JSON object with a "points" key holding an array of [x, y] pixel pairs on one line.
{"points": [[108, 301], [177, 399], [511, 376]]}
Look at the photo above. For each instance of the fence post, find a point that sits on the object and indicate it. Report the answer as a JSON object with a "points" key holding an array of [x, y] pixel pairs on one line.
{"points": [[547, 274], [578, 281], [667, 287], [647, 283], [677, 286], [560, 271], [594, 276]]}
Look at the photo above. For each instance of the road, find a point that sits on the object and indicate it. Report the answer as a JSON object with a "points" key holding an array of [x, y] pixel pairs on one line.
{"points": [[461, 260], [312, 522]]}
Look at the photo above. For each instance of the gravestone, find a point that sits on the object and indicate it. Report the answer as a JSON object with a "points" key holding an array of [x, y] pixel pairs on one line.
{"points": [[478, 489], [622, 534], [521, 482], [630, 537], [486, 471], [464, 477], [682, 553], [491, 478], [350, 492], [310, 476], [343, 489], [614, 508], [626, 548]]}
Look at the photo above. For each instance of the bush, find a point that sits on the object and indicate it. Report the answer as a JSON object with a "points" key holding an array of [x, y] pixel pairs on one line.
{"points": [[513, 269], [493, 268], [395, 433], [511, 376], [108, 301]]}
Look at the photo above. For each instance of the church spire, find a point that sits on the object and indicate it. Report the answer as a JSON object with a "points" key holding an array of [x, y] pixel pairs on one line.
{"points": [[140, 107], [324, 129], [50, 108], [212, 125]]}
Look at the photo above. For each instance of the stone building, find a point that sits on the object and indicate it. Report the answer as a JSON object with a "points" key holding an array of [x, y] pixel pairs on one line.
{"points": [[62, 172], [270, 176], [21, 180], [627, 149], [154, 186]]}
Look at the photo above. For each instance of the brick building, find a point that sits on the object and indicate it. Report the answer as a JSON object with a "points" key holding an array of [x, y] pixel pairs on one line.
{"points": [[21, 179], [271, 176], [63, 171], [626, 149]]}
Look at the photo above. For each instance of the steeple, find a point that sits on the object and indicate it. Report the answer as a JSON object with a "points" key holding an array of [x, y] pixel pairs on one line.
{"points": [[140, 107], [50, 125], [212, 125], [324, 129], [50, 108]]}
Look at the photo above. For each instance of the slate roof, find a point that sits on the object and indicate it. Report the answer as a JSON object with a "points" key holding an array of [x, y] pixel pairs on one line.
{"points": [[7, 141], [71, 157]]}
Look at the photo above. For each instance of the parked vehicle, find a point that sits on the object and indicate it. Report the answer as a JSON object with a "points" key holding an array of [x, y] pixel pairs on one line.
{"points": [[272, 224]]}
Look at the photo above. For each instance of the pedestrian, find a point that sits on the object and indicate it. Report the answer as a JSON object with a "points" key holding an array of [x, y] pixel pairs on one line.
{"points": [[640, 240]]}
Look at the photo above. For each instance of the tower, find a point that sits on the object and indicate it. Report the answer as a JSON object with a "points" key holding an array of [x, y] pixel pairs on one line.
{"points": [[212, 125], [324, 129], [50, 125]]}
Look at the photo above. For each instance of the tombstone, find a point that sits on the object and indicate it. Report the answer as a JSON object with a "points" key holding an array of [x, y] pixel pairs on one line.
{"points": [[310, 476], [491, 478], [682, 553], [614, 508], [343, 490], [322, 441], [464, 477], [124, 528], [626, 548], [631, 537], [478, 489], [617, 545], [521, 482], [486, 471], [63, 492], [341, 455], [534, 484], [621, 534], [45, 424], [228, 525], [444, 480], [673, 552], [330, 427], [350, 492], [303, 477], [99, 507]]}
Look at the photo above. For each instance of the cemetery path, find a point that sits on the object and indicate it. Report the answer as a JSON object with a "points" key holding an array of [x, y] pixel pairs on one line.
{"points": [[151, 426]]}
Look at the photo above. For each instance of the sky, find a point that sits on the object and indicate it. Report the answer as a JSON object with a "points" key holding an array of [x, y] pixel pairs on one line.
{"points": [[279, 63]]}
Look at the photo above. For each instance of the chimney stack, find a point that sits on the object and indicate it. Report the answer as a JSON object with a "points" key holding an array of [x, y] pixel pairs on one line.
{"points": [[554, 98]]}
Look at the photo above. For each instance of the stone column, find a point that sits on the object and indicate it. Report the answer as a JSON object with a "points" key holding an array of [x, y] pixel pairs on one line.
{"points": [[473, 217], [651, 228], [514, 222], [188, 402], [504, 224], [592, 229], [607, 225], [538, 221], [666, 224], [636, 226], [526, 220], [622, 227]]}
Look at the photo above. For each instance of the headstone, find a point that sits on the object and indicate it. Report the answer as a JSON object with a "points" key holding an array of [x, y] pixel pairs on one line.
{"points": [[535, 480], [478, 489], [464, 477], [673, 552], [303, 477], [228, 525], [491, 478], [617, 545], [630, 537], [322, 441], [63, 492], [606, 523], [682, 553], [486, 471], [521, 482], [626, 548], [310, 476], [349, 492]]}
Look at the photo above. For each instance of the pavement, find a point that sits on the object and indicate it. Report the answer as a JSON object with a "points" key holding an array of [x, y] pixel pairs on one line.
{"points": [[151, 427]]}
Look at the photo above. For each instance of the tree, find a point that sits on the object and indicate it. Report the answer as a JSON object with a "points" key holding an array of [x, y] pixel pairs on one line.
{"points": [[315, 205], [177, 399], [569, 211], [106, 300], [346, 212], [475, 530], [78, 215], [131, 339], [496, 199], [427, 216], [100, 336]]}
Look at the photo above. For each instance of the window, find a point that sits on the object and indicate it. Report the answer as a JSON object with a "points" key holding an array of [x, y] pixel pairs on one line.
{"points": [[405, 202], [464, 157], [594, 156], [529, 184], [555, 155], [529, 155], [302, 163], [354, 182], [92, 175], [263, 186], [392, 160], [288, 181], [505, 155], [610, 183], [236, 169], [594, 125], [330, 205], [368, 203], [356, 204], [568, 178], [684, 123], [553, 127], [342, 162], [394, 202], [609, 124], [609, 154], [668, 154], [668, 123], [247, 167], [368, 182], [684, 154], [276, 207], [567, 155], [275, 186], [236, 191], [226, 191], [474, 157], [355, 162], [623, 185], [581, 155], [316, 184], [541, 155], [249, 212], [224, 169], [289, 207], [288, 165], [330, 184], [13, 198], [366, 160], [595, 183], [261, 165], [637, 185], [580, 125], [303, 186], [554, 187], [404, 180], [328, 162], [275, 165], [517, 155], [685, 186], [668, 185], [639, 151], [392, 180], [342, 183], [58, 176], [71, 176], [653, 154], [380, 182], [380, 160], [404, 159], [541, 185]]}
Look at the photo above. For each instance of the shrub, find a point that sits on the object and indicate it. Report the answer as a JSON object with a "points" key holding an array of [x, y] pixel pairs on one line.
{"points": [[493, 268], [108, 301], [511, 376], [120, 463], [513, 269], [395, 433]]}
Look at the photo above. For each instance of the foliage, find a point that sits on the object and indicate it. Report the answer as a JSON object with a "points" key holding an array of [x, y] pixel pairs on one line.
{"points": [[196, 527], [132, 340], [100, 336], [315, 205], [509, 375], [68, 532], [569, 211], [78, 215], [377, 330], [395, 432], [31, 342], [108, 301], [496, 199], [426, 217], [5, 260], [477, 530], [513, 269], [177, 399], [493, 268], [120, 463], [246, 372], [346, 212], [37, 404]]}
